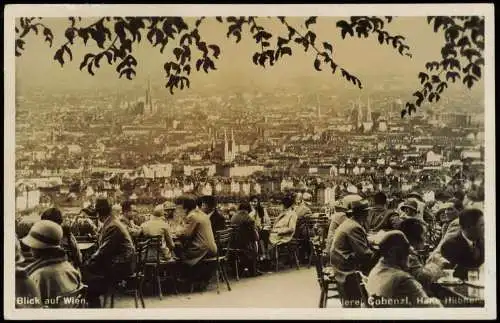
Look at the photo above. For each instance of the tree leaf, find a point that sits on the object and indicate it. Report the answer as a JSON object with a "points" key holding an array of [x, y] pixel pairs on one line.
{"points": [[380, 37], [317, 64], [452, 75], [215, 49], [89, 69], [255, 58], [58, 56], [286, 50], [109, 56], [97, 59], [178, 52], [346, 28], [199, 62], [476, 70], [310, 21], [420, 98], [423, 77], [328, 47], [282, 41]]}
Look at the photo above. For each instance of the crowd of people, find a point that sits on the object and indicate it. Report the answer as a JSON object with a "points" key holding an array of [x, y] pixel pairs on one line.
{"points": [[403, 249], [403, 244], [49, 258]]}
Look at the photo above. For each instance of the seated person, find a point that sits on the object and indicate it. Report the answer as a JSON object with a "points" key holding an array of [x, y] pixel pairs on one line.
{"points": [[343, 209], [85, 223], [197, 236], [127, 219], [208, 204], [68, 242], [390, 282], [415, 230], [156, 226], [198, 243], [51, 273], [284, 225], [245, 237], [262, 223], [379, 216], [25, 287], [351, 250], [114, 259], [409, 209], [302, 231], [22, 230], [465, 249]]}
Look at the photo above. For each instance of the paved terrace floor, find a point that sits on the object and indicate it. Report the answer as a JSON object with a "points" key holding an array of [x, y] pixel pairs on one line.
{"points": [[289, 288]]}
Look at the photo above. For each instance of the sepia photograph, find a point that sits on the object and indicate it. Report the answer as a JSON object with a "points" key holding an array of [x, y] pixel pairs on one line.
{"points": [[249, 161]]}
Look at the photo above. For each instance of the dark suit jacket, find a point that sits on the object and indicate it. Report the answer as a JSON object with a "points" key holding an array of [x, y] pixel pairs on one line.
{"points": [[218, 221], [351, 250], [198, 237], [458, 252], [116, 252], [245, 234]]}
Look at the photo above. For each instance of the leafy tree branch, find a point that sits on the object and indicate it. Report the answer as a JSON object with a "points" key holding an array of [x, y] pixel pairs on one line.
{"points": [[461, 58], [461, 54]]}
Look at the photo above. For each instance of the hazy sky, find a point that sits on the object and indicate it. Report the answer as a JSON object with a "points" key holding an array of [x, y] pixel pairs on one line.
{"points": [[365, 58]]}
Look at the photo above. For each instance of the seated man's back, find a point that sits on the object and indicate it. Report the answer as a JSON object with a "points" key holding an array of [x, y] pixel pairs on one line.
{"points": [[397, 288]]}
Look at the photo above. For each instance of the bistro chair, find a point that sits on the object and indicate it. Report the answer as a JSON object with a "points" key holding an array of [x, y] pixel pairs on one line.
{"points": [[288, 249], [222, 239], [326, 281], [159, 266], [234, 253], [355, 288], [133, 283], [317, 230]]}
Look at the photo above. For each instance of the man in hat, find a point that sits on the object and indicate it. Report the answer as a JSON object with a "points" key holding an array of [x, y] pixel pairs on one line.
{"points": [[156, 226], [389, 283], [342, 210], [351, 250], [174, 222], [465, 249], [114, 259], [51, 272], [410, 208], [419, 199], [379, 216]]}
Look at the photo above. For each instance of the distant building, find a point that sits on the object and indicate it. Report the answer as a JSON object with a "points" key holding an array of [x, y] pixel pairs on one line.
{"points": [[238, 171]]}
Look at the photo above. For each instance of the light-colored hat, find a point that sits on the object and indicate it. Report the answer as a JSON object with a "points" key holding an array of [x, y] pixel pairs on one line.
{"points": [[346, 202], [158, 211], [306, 196], [410, 204], [169, 206], [44, 234]]}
